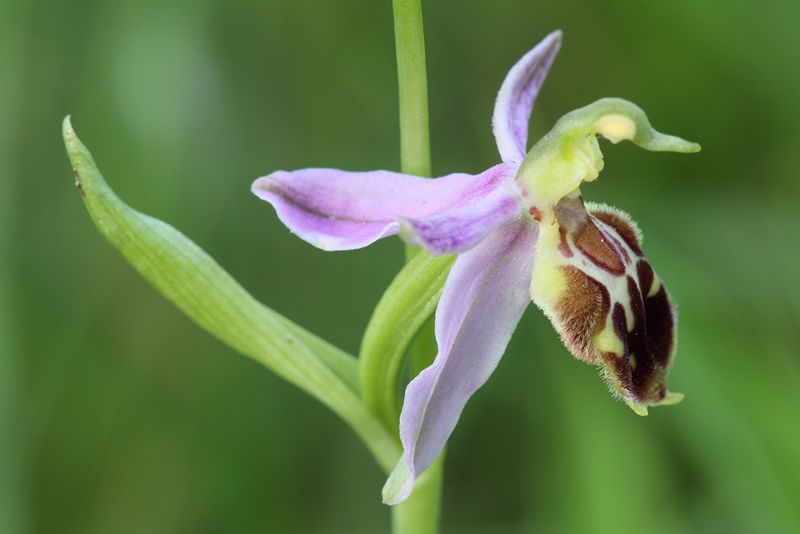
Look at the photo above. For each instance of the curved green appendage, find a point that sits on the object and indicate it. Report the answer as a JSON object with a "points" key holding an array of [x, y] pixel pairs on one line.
{"points": [[569, 153], [405, 306], [206, 293], [618, 120]]}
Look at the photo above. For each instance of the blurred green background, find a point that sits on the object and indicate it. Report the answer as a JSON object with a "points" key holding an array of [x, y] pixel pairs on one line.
{"points": [[118, 415]]}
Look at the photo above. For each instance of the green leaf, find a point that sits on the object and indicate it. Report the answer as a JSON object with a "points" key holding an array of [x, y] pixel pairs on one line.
{"points": [[405, 306], [206, 293]]}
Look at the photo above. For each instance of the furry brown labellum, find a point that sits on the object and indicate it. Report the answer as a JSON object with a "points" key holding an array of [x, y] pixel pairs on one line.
{"points": [[605, 300]]}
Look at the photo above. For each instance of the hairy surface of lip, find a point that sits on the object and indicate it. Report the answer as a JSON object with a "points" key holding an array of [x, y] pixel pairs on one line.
{"points": [[612, 309]]}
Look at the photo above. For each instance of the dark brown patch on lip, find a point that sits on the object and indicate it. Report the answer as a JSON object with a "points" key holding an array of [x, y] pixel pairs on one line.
{"points": [[643, 380], [622, 226], [582, 312], [646, 276], [573, 218], [618, 246], [620, 324], [563, 246], [621, 369], [637, 343], [592, 243], [619, 364], [660, 326], [535, 213]]}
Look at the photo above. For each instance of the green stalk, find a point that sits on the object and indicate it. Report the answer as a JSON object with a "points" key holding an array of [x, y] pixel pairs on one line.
{"points": [[412, 81], [420, 513], [415, 152]]}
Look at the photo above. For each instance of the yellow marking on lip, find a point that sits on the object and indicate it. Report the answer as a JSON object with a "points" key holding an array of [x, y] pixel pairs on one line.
{"points": [[606, 340], [654, 287], [548, 284]]}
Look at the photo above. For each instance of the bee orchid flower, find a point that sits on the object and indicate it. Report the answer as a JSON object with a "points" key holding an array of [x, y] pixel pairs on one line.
{"points": [[522, 233]]}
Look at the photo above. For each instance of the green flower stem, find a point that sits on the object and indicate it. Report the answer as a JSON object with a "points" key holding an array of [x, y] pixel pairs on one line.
{"points": [[424, 347], [412, 81], [415, 155], [420, 514], [206, 293]]}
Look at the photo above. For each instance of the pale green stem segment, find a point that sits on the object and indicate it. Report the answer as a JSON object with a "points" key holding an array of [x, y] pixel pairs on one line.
{"points": [[424, 347], [206, 293], [415, 157], [420, 513], [408, 302], [412, 82]]}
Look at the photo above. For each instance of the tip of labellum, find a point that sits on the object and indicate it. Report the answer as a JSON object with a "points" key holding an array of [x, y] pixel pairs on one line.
{"points": [[671, 398]]}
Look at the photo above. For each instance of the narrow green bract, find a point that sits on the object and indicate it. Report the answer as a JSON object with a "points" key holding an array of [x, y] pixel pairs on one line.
{"points": [[206, 293]]}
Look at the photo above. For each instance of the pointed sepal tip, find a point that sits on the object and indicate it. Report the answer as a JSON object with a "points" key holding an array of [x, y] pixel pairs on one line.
{"points": [[670, 399]]}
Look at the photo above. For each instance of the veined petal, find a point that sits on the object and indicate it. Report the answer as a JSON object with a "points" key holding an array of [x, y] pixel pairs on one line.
{"points": [[340, 210], [512, 110], [482, 302]]}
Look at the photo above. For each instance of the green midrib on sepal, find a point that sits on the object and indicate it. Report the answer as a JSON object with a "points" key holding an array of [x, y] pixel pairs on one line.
{"points": [[193, 281]]}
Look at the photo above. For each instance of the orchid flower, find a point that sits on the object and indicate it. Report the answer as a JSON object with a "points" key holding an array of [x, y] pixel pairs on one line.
{"points": [[523, 233]]}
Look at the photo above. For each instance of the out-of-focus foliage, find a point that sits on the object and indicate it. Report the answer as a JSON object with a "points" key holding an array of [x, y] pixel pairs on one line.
{"points": [[119, 415]]}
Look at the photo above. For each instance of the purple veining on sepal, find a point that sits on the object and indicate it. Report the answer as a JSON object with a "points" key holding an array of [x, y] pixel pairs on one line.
{"points": [[482, 302], [512, 109], [339, 210], [459, 230]]}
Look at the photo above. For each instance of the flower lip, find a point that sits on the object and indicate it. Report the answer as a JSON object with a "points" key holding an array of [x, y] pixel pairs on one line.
{"points": [[605, 300]]}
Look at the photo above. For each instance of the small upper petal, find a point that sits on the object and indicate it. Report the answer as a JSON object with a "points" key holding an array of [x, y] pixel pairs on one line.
{"points": [[339, 210], [517, 95], [482, 302]]}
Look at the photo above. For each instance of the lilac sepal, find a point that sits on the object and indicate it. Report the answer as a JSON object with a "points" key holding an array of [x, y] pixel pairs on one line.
{"points": [[339, 210], [512, 109], [483, 300]]}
